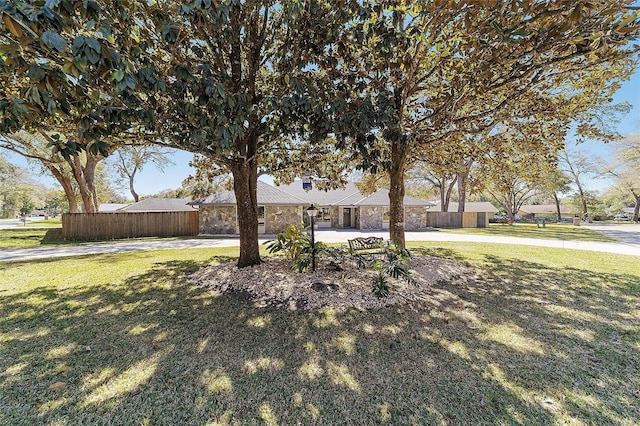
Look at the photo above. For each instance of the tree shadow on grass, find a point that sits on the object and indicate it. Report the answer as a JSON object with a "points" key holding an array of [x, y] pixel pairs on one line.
{"points": [[438, 252], [154, 349]]}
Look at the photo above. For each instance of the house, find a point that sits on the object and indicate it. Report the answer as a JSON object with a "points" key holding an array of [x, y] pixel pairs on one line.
{"points": [[283, 205], [158, 205], [348, 207], [547, 210], [111, 207], [276, 210]]}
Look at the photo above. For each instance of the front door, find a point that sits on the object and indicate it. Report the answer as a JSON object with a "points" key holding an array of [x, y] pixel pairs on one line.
{"points": [[346, 217]]}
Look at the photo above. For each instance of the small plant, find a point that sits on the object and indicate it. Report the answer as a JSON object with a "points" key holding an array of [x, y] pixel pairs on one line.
{"points": [[293, 240], [296, 242], [380, 286]]}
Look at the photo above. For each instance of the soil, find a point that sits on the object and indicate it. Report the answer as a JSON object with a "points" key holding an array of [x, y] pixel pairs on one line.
{"points": [[273, 284]]}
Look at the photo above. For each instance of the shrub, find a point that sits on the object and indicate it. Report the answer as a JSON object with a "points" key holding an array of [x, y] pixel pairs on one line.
{"points": [[392, 260], [293, 240]]}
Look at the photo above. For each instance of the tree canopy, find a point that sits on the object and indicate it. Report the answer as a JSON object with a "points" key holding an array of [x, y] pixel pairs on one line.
{"points": [[428, 69], [240, 81]]}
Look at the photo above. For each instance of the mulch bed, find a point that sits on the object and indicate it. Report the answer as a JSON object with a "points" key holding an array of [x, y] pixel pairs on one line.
{"points": [[273, 284]]}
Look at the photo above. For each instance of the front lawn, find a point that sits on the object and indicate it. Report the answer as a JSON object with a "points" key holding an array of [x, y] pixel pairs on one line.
{"points": [[539, 336], [54, 222], [23, 238], [552, 231]]}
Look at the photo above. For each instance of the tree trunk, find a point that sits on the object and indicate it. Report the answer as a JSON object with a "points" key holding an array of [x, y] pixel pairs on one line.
{"points": [[65, 182], [85, 192], [396, 193], [245, 182], [461, 179], [90, 177], [555, 197], [583, 200], [636, 208], [462, 191], [444, 202], [136, 198], [509, 204]]}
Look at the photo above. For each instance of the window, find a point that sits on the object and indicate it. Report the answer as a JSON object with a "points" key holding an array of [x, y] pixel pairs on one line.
{"points": [[260, 215], [385, 215], [324, 215]]}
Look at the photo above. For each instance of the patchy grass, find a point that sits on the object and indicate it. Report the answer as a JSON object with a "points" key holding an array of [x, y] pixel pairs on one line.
{"points": [[24, 238], [552, 231], [538, 336], [19, 238]]}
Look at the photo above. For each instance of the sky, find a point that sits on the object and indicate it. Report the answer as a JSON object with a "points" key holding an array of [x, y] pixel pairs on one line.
{"points": [[152, 181]]}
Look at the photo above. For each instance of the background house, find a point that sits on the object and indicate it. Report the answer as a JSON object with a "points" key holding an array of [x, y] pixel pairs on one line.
{"points": [[158, 205], [349, 208], [276, 210], [546, 210], [111, 207], [345, 208]]}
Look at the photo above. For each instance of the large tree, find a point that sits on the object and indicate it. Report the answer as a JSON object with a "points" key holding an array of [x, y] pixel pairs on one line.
{"points": [[241, 77], [224, 79], [19, 193], [427, 69], [76, 174], [129, 160], [579, 167], [626, 169]]}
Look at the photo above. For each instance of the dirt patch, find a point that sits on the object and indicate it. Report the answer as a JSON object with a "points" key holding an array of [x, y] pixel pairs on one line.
{"points": [[273, 284]]}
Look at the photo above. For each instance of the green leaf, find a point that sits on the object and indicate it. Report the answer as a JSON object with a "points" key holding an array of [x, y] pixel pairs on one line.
{"points": [[54, 41], [93, 44], [36, 73], [92, 55], [118, 75], [51, 107], [35, 95]]}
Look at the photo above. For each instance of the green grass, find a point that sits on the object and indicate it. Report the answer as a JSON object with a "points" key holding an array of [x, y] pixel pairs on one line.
{"points": [[54, 222], [22, 238], [539, 336], [25, 238], [527, 230]]}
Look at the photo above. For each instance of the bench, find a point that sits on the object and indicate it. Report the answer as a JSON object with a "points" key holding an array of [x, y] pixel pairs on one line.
{"points": [[369, 246]]}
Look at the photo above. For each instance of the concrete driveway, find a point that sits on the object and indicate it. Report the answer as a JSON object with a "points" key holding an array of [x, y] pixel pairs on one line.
{"points": [[628, 235]]}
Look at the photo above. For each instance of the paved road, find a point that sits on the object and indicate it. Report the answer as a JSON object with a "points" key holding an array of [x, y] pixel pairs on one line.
{"points": [[628, 235], [18, 223]]}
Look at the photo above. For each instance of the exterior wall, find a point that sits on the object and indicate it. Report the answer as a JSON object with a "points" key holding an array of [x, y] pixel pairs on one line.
{"points": [[371, 217], [415, 218], [278, 218], [336, 219], [218, 220]]}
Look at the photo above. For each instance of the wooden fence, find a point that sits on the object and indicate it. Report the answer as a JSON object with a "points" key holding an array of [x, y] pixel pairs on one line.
{"points": [[449, 220], [113, 226]]}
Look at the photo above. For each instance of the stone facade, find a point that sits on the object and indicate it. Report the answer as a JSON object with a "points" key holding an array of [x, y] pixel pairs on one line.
{"points": [[371, 217], [415, 218], [277, 218], [215, 220], [336, 221]]}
